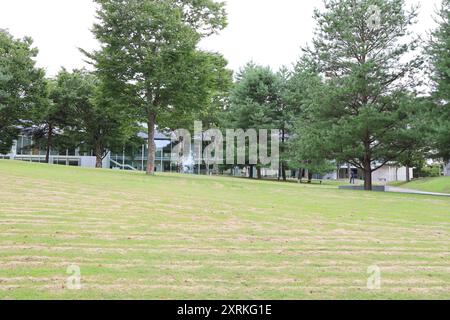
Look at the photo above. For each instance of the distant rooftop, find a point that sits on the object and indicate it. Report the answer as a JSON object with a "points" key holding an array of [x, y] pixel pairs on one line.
{"points": [[158, 135]]}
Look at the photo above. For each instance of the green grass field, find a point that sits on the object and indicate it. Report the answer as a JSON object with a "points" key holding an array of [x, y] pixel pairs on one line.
{"points": [[176, 237], [439, 185]]}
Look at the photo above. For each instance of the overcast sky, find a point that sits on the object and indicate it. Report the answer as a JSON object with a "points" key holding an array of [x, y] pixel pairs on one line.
{"points": [[269, 32]]}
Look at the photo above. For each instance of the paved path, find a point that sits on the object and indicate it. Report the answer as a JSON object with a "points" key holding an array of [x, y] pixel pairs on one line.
{"points": [[401, 190]]}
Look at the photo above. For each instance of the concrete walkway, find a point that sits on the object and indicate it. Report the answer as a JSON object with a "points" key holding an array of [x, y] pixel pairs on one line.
{"points": [[395, 190], [409, 191]]}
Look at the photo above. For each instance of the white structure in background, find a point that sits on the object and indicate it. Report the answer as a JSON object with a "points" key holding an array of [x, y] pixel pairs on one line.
{"points": [[135, 159], [447, 170], [387, 173], [390, 173], [21, 151]]}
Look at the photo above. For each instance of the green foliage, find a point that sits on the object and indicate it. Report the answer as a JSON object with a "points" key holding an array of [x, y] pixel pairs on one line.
{"points": [[429, 171], [360, 112], [211, 100], [150, 61], [420, 131], [22, 86], [48, 118], [439, 51], [304, 148], [255, 101], [308, 155], [97, 121]]}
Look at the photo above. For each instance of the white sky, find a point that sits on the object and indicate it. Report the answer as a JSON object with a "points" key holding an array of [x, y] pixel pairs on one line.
{"points": [[269, 32]]}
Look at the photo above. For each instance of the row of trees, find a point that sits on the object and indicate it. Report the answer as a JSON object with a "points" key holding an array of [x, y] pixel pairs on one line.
{"points": [[71, 110], [353, 97], [148, 71], [21, 85]]}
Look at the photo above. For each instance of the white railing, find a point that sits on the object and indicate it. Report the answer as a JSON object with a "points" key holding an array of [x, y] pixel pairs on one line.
{"points": [[122, 166]]}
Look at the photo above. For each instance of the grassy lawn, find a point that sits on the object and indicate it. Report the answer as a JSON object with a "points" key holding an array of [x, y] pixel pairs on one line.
{"points": [[174, 236], [439, 185]]}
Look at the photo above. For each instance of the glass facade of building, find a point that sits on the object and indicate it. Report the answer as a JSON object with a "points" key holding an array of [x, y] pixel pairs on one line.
{"points": [[136, 157], [24, 149], [131, 158]]}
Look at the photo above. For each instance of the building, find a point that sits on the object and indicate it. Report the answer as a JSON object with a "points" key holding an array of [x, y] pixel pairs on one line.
{"points": [[447, 170], [135, 158], [23, 149], [131, 158], [386, 174]]}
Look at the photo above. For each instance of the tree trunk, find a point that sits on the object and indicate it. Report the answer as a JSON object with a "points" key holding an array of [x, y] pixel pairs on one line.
{"points": [[98, 156], [98, 162], [310, 176], [367, 163], [408, 176], [300, 175], [367, 176], [49, 143], [250, 174], [283, 163], [258, 171], [151, 143]]}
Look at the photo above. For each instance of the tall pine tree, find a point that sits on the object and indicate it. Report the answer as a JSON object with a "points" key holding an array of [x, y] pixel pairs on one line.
{"points": [[362, 51], [439, 51]]}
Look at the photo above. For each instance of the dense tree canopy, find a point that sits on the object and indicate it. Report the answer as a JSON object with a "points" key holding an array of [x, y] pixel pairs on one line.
{"points": [[22, 86], [254, 103], [305, 149], [150, 59], [352, 97], [359, 113], [439, 51], [97, 122], [101, 123], [48, 118]]}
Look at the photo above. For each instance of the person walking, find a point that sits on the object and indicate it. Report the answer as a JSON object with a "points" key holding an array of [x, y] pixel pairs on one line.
{"points": [[352, 177]]}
